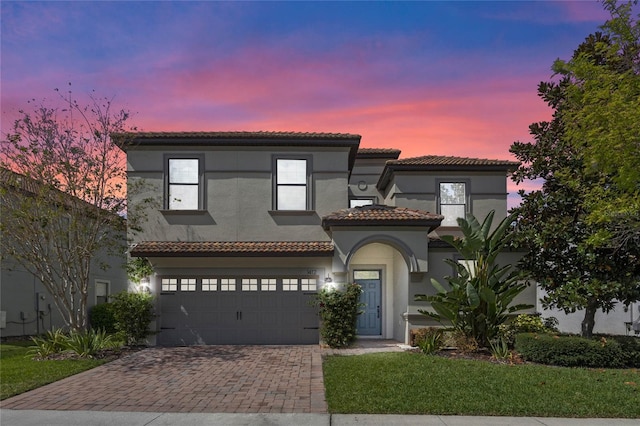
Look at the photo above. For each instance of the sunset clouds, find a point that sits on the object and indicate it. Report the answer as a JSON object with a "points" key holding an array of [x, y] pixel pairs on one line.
{"points": [[446, 78]]}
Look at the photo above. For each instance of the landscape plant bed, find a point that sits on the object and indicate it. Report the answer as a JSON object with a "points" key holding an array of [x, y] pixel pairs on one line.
{"points": [[414, 383], [21, 372], [480, 355]]}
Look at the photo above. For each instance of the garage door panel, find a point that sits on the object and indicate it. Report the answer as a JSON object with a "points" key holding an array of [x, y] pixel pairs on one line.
{"points": [[254, 311]]}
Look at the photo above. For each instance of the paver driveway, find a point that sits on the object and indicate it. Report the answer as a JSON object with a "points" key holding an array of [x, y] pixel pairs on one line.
{"points": [[209, 379]]}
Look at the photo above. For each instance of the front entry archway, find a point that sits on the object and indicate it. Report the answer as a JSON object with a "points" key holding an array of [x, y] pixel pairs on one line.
{"points": [[370, 320]]}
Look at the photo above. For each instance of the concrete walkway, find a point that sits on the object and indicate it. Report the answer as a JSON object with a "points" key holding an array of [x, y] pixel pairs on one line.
{"points": [[114, 418]]}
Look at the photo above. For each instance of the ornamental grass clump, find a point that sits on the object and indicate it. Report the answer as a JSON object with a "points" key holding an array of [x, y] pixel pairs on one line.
{"points": [[339, 310]]}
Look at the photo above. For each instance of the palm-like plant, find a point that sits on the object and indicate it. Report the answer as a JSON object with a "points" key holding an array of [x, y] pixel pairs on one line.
{"points": [[479, 298]]}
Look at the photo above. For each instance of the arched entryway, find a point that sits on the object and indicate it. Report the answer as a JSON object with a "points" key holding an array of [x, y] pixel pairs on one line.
{"points": [[382, 271]]}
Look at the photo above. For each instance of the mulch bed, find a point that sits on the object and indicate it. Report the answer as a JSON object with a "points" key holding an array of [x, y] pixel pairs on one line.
{"points": [[106, 354], [478, 355]]}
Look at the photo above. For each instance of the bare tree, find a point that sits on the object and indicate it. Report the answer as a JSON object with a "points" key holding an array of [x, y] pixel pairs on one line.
{"points": [[63, 196]]}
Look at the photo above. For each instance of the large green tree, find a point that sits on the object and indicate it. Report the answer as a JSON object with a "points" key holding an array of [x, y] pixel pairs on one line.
{"points": [[583, 261], [602, 119], [63, 196]]}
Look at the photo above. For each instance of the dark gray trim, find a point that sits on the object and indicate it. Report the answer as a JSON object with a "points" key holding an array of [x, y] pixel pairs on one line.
{"points": [[310, 201], [467, 193]]}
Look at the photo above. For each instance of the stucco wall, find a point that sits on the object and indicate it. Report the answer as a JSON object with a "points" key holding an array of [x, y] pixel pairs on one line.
{"points": [[609, 323], [19, 292], [238, 202]]}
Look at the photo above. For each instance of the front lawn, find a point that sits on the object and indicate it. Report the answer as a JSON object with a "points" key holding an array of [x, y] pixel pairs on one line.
{"points": [[20, 373], [413, 383]]}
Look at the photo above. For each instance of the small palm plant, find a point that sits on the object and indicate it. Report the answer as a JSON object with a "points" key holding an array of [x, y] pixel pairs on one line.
{"points": [[479, 297]]}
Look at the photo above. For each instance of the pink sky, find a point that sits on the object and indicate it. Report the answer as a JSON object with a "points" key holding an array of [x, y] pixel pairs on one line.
{"points": [[444, 78]]}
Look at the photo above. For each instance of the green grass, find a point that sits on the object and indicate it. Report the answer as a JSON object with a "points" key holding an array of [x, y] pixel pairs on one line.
{"points": [[20, 373], [412, 383]]}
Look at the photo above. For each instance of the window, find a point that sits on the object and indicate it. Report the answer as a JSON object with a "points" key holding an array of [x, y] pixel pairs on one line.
{"points": [[102, 291], [187, 284], [308, 284], [291, 184], [268, 284], [227, 284], [357, 202], [209, 284], [249, 284], [453, 202], [290, 284], [183, 184], [169, 284]]}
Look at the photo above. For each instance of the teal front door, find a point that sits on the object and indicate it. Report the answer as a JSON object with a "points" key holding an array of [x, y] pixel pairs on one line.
{"points": [[370, 321]]}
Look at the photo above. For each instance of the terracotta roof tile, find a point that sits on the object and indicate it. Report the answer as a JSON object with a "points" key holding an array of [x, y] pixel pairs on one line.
{"points": [[437, 160], [130, 138], [231, 248], [439, 163], [377, 214], [378, 153]]}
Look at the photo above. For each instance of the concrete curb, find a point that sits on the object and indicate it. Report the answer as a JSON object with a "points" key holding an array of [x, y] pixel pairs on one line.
{"points": [[120, 418]]}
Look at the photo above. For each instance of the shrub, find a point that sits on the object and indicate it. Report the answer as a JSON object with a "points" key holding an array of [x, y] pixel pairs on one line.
{"points": [[480, 294], [570, 351], [630, 346], [463, 342], [51, 343], [499, 348], [430, 340], [133, 313], [523, 323], [339, 310], [101, 317], [87, 343]]}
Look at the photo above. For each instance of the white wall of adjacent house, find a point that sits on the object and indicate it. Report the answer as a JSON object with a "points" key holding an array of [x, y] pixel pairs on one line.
{"points": [[618, 321]]}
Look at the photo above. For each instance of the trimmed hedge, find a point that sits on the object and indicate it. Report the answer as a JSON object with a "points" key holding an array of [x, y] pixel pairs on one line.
{"points": [[101, 317], [571, 351], [339, 310]]}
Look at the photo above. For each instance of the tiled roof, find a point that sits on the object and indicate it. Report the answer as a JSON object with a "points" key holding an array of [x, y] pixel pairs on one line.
{"points": [[377, 214], [378, 153], [11, 178], [437, 160], [442, 163], [133, 138], [231, 248], [130, 140]]}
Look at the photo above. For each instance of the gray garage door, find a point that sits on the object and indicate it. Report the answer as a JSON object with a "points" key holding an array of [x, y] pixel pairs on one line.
{"points": [[237, 310]]}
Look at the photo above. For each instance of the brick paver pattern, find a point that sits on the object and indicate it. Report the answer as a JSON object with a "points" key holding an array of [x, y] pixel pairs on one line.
{"points": [[207, 379]]}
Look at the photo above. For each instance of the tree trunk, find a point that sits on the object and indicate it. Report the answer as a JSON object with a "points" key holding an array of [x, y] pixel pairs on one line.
{"points": [[589, 319]]}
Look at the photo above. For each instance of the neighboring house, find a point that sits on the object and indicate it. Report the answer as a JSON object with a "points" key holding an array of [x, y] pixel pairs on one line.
{"points": [[26, 308], [618, 321], [252, 224]]}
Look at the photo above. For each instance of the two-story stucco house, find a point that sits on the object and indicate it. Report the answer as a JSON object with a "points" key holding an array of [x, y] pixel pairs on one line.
{"points": [[251, 225]]}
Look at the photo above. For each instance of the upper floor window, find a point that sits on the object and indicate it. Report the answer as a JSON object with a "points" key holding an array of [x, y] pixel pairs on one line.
{"points": [[453, 202], [184, 190], [292, 184]]}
